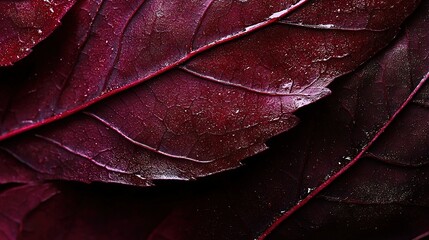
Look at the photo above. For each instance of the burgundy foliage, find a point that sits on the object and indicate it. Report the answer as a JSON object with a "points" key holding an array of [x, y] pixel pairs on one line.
{"points": [[124, 93]]}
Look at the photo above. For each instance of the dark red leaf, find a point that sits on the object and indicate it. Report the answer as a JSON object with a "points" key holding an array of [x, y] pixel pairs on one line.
{"points": [[25, 23], [107, 46], [17, 202], [88, 61], [199, 118]]}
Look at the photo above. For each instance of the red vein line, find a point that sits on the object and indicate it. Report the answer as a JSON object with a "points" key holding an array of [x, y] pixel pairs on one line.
{"points": [[324, 185], [249, 89], [274, 18], [422, 236]]}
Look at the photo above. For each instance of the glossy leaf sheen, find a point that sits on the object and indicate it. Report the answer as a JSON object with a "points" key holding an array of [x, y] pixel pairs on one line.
{"points": [[192, 118]]}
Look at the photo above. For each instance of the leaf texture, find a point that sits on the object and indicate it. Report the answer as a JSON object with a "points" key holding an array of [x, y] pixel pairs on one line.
{"points": [[382, 195], [108, 46], [199, 117], [97, 54]]}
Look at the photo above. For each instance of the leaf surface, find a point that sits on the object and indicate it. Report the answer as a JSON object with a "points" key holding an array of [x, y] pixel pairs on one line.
{"points": [[384, 193], [199, 117], [107, 46]]}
